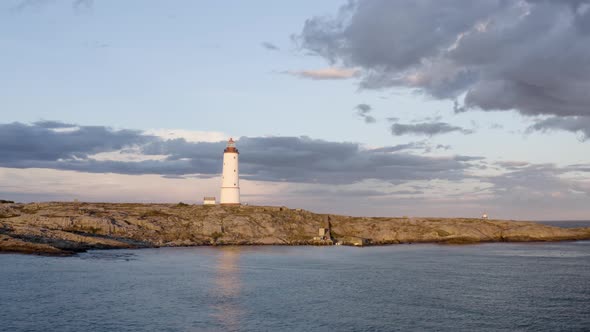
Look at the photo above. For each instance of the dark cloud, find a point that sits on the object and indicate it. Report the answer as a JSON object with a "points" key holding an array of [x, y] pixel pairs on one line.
{"points": [[443, 147], [315, 161], [363, 111], [527, 55], [270, 46], [293, 159], [400, 147], [363, 108], [423, 146], [577, 124], [53, 124], [40, 142], [512, 164], [426, 129]]}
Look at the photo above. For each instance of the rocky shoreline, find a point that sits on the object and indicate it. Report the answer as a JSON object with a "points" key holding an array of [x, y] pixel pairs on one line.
{"points": [[66, 228]]}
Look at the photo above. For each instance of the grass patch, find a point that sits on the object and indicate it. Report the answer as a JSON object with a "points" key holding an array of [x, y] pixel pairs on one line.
{"points": [[154, 213], [215, 236]]}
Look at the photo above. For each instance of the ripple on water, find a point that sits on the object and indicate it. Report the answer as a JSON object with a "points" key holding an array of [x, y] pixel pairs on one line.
{"points": [[108, 255], [542, 253]]}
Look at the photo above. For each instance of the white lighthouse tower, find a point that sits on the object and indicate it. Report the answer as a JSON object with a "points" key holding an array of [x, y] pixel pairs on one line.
{"points": [[230, 180]]}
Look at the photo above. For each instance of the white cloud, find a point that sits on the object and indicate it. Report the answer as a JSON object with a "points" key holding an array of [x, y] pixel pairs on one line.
{"points": [[325, 73], [127, 155], [189, 135]]}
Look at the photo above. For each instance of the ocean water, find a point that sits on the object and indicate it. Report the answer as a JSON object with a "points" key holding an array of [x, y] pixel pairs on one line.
{"points": [[566, 223], [489, 287]]}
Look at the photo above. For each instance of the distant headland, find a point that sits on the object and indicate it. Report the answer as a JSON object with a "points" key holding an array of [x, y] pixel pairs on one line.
{"points": [[66, 228]]}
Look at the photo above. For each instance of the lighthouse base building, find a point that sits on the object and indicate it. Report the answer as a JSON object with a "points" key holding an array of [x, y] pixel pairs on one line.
{"points": [[230, 180]]}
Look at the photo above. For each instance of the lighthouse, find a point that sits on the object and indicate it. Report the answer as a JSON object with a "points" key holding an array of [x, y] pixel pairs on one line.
{"points": [[230, 180]]}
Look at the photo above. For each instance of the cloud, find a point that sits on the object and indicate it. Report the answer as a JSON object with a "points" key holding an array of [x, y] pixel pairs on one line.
{"points": [[76, 4], [24, 4], [423, 146], [279, 159], [427, 129], [576, 124], [443, 147], [496, 126], [303, 159], [325, 74], [400, 147], [337, 191], [83, 4], [529, 55], [53, 124], [188, 135], [40, 142], [363, 110], [270, 46], [90, 163], [511, 165], [541, 187]]}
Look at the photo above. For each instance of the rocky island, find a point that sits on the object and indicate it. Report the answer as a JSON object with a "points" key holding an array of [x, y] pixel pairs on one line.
{"points": [[65, 228]]}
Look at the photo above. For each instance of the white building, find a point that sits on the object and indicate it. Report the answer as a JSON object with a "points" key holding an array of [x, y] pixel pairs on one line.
{"points": [[208, 200], [230, 180]]}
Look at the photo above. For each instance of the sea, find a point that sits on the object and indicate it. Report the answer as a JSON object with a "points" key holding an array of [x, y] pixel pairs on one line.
{"points": [[410, 287]]}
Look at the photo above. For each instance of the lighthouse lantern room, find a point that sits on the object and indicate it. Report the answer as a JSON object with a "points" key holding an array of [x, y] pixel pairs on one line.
{"points": [[230, 181]]}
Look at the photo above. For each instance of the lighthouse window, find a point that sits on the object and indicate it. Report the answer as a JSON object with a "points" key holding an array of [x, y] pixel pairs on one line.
{"points": [[234, 170], [234, 157], [234, 184]]}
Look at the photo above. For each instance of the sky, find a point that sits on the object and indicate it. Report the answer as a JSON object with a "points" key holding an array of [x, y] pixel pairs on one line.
{"points": [[380, 108]]}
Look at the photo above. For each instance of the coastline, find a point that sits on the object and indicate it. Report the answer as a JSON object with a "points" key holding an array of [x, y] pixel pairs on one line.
{"points": [[67, 228]]}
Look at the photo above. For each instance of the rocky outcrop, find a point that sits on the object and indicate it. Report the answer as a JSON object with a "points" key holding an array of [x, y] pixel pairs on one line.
{"points": [[67, 228]]}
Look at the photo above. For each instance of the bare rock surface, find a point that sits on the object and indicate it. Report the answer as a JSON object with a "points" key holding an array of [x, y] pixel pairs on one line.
{"points": [[59, 228]]}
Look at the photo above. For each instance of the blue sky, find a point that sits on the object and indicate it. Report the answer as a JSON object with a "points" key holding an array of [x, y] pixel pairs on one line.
{"points": [[252, 69]]}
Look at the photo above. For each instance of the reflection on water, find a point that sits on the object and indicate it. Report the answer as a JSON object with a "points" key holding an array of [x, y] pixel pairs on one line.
{"points": [[227, 288]]}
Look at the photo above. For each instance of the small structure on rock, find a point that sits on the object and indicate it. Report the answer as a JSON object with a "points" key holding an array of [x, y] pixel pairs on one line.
{"points": [[484, 216], [325, 233], [208, 200]]}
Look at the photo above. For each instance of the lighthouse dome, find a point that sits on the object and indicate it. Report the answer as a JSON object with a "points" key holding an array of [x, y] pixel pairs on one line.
{"points": [[231, 146]]}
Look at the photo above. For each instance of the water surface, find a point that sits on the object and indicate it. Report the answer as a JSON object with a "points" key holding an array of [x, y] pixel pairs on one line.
{"points": [[489, 287], [566, 223]]}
